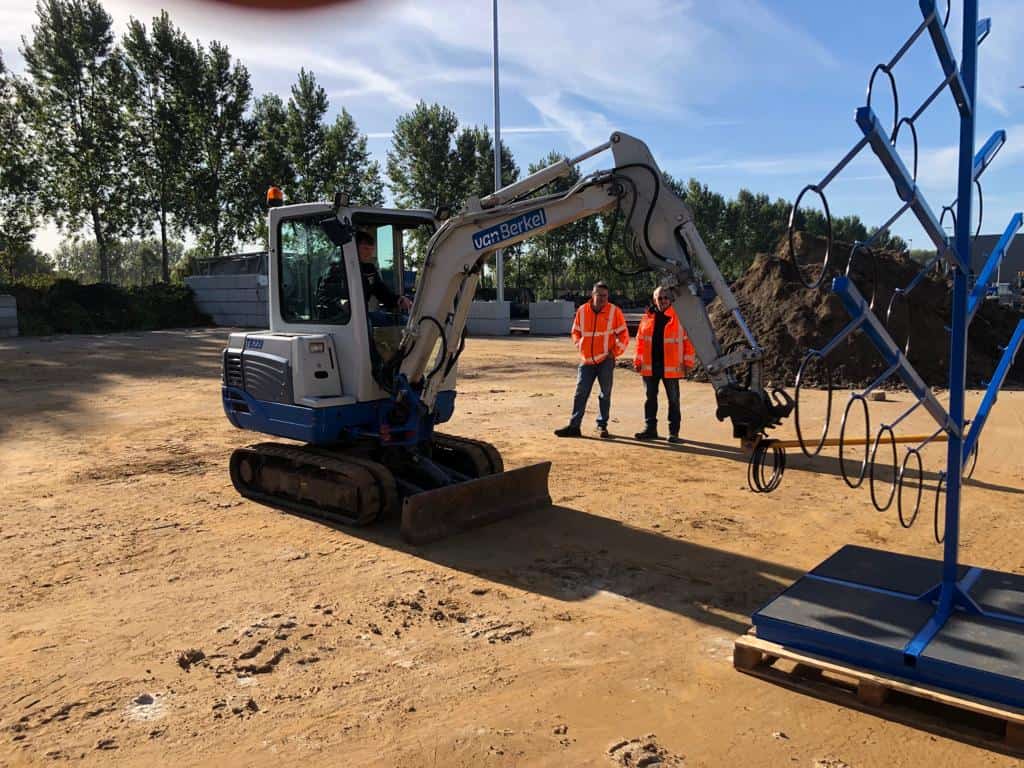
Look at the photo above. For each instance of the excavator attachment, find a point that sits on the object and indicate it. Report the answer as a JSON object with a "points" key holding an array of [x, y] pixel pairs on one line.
{"points": [[433, 515]]}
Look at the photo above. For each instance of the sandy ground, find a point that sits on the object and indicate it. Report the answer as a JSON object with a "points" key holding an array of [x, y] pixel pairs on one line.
{"points": [[543, 640]]}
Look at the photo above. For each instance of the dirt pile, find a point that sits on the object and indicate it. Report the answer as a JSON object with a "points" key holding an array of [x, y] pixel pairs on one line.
{"points": [[788, 319]]}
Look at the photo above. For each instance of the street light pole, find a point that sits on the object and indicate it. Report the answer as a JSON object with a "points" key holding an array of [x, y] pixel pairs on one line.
{"points": [[499, 266]]}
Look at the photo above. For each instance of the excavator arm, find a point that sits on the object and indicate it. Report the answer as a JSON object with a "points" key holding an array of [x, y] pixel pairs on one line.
{"points": [[665, 235]]}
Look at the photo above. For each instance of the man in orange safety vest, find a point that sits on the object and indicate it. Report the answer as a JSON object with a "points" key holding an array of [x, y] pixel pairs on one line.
{"points": [[599, 333], [663, 354]]}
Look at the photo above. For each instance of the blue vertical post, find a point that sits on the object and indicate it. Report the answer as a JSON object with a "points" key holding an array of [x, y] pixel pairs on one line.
{"points": [[958, 349]]}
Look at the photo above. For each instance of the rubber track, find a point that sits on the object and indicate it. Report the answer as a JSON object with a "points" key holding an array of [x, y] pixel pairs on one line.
{"points": [[391, 502], [484, 455], [371, 497]]}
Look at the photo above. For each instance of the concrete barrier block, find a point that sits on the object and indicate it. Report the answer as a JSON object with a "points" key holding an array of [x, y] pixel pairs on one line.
{"points": [[551, 318], [257, 321], [232, 307], [489, 318], [215, 282], [552, 309], [8, 316], [229, 294], [241, 320]]}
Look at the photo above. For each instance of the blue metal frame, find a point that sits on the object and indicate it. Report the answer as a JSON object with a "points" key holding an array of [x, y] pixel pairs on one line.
{"points": [[950, 598]]}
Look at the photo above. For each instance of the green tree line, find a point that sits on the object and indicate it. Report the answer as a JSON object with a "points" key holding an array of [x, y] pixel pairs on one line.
{"points": [[133, 145]]}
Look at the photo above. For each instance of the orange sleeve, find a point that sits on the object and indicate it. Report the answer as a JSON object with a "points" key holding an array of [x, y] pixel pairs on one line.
{"points": [[622, 333], [577, 327], [641, 344]]}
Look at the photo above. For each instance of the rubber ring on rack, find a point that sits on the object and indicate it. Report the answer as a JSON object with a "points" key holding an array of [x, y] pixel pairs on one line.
{"points": [[895, 94], [796, 407], [842, 441], [899, 292], [935, 519], [974, 462], [881, 507], [913, 132], [902, 481], [815, 283], [858, 247]]}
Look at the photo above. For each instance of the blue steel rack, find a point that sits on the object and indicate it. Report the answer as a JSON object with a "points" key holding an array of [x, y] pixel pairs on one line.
{"points": [[938, 622]]}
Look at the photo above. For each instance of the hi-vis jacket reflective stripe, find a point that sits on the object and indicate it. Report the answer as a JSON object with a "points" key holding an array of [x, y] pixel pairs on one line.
{"points": [[679, 352], [598, 335]]}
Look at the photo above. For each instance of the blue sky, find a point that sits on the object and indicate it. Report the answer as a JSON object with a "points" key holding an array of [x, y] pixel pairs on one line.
{"points": [[737, 93]]}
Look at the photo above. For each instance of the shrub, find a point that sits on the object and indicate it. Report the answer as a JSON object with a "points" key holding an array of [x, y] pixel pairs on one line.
{"points": [[56, 304]]}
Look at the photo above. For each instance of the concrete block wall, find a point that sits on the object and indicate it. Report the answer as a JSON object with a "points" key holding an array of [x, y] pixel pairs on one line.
{"points": [[551, 318], [8, 317], [235, 300], [489, 318]]}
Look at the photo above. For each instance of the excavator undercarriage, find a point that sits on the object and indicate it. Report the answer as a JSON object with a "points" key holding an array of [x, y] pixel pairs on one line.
{"points": [[452, 484]]}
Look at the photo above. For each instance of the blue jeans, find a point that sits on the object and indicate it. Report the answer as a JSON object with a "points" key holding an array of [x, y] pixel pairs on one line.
{"points": [[651, 403], [585, 376]]}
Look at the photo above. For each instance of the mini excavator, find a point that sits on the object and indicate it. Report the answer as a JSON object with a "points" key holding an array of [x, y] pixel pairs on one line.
{"points": [[364, 389]]}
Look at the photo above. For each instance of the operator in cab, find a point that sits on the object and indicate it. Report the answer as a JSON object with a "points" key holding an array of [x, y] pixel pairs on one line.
{"points": [[373, 284]]}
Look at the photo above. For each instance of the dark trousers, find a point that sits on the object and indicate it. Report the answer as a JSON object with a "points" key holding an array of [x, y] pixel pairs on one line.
{"points": [[651, 403], [585, 376]]}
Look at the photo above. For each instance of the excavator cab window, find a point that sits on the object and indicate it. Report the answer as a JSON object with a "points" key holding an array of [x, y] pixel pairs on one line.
{"points": [[386, 257], [314, 286]]}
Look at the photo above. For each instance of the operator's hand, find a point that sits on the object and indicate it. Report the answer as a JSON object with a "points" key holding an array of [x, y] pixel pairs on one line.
{"points": [[404, 303]]}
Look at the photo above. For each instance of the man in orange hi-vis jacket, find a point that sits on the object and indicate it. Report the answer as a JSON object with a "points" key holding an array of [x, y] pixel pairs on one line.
{"points": [[599, 333], [663, 354]]}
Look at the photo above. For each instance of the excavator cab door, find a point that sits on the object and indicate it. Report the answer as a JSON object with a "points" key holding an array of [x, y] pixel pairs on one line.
{"points": [[390, 234]]}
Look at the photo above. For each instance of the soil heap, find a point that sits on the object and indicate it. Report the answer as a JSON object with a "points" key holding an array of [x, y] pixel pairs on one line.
{"points": [[788, 319]]}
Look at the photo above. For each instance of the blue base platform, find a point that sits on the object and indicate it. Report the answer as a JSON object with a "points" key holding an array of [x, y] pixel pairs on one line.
{"points": [[870, 608]]}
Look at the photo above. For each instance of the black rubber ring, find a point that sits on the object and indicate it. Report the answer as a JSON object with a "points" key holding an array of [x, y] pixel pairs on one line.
{"points": [[874, 270], [913, 132], [974, 462], [871, 469], [935, 519], [796, 404], [888, 319], [867, 437], [920, 487], [895, 94], [828, 247], [778, 469]]}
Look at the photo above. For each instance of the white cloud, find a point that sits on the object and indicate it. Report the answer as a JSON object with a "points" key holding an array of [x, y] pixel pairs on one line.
{"points": [[586, 127], [802, 164], [654, 57], [1001, 58]]}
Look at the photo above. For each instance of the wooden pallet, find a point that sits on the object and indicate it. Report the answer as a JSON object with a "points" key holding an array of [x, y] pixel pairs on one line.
{"points": [[947, 714]]}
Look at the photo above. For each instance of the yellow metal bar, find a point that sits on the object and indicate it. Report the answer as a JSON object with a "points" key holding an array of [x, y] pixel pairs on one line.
{"points": [[941, 438]]}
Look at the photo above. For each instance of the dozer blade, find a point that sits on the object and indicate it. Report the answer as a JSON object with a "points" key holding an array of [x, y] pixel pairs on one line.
{"points": [[433, 515]]}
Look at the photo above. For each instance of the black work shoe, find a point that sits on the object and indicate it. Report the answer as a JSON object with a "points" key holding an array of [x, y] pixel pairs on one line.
{"points": [[675, 439], [647, 434], [569, 431], [603, 432]]}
